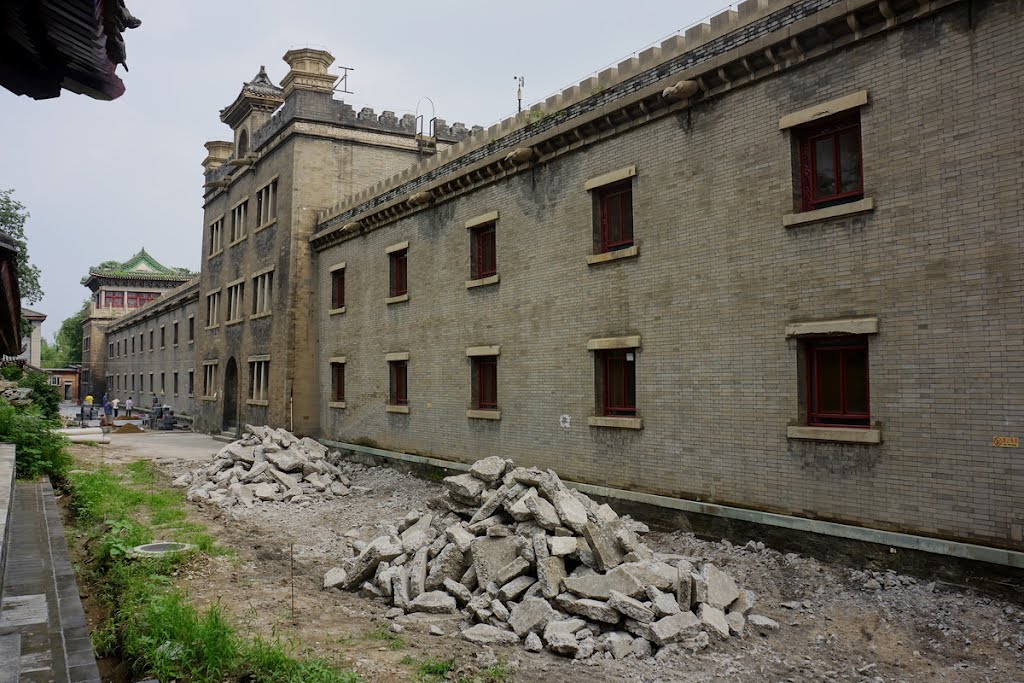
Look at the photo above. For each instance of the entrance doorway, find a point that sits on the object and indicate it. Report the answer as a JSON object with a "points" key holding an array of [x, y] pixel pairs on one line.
{"points": [[231, 396]]}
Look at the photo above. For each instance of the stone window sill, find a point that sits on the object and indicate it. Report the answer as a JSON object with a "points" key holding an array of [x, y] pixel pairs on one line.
{"points": [[208, 327], [841, 434], [336, 311], [208, 398], [191, 341], [609, 256], [265, 226], [257, 402], [850, 208], [483, 282], [404, 410], [616, 422], [257, 316], [483, 414], [238, 241], [229, 323], [396, 299], [216, 253], [337, 404]]}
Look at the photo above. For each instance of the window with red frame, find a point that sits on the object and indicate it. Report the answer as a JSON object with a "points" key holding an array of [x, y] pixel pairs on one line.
{"points": [[137, 299], [831, 168], [399, 272], [113, 300], [338, 382], [338, 288], [837, 382], [613, 216], [485, 371], [617, 379], [484, 253], [399, 395]]}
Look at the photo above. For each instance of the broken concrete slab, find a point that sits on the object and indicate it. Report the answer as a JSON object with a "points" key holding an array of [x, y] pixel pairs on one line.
{"points": [[532, 614], [627, 606], [720, 589], [601, 539], [433, 602], [484, 634], [488, 469], [714, 620]]}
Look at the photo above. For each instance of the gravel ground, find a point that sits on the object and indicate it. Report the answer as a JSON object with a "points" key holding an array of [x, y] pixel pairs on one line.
{"points": [[837, 623]]}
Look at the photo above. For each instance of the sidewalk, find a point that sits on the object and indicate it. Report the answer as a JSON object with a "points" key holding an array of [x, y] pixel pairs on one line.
{"points": [[43, 632]]}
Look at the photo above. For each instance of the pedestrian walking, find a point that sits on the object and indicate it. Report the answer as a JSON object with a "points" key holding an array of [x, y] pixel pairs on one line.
{"points": [[108, 410], [128, 405], [116, 403]]}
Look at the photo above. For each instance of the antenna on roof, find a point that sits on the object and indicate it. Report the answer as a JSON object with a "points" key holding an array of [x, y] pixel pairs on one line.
{"points": [[342, 86], [521, 80]]}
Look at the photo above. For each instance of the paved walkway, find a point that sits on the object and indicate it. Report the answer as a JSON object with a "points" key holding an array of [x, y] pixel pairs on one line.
{"points": [[43, 632]]}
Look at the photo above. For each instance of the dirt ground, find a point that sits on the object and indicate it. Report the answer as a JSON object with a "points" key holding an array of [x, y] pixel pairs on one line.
{"points": [[837, 625]]}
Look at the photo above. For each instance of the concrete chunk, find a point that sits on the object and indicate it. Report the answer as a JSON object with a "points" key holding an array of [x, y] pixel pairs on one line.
{"points": [[721, 588], [664, 604], [461, 594], [562, 545], [515, 588], [551, 575], [563, 644], [484, 634], [570, 510], [418, 573], [714, 620], [362, 567], [532, 614], [743, 603], [599, 586], [516, 567], [449, 564], [601, 539], [418, 535], [334, 577], [543, 512], [434, 602], [570, 626], [460, 536], [674, 628], [627, 606], [763, 622], [619, 643], [737, 622], [594, 610], [465, 488], [489, 469]]}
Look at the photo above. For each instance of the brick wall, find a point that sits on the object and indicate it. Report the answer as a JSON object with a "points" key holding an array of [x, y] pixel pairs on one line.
{"points": [[715, 283]]}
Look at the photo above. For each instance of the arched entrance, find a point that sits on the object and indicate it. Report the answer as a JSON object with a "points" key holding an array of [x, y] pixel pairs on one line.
{"points": [[231, 396]]}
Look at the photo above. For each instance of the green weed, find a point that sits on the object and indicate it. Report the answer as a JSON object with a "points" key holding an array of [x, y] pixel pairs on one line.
{"points": [[394, 641], [435, 669]]}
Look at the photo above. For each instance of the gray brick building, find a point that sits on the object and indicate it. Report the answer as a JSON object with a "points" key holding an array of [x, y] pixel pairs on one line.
{"points": [[772, 264]]}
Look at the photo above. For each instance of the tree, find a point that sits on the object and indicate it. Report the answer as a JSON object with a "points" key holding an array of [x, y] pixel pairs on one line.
{"points": [[67, 343], [13, 215]]}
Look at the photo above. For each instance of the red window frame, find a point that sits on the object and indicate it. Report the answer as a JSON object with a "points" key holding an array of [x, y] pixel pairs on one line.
{"points": [[809, 137], [399, 272], [845, 416], [338, 382], [338, 288], [611, 200], [618, 371], [139, 299], [399, 390], [486, 382], [485, 261], [113, 300]]}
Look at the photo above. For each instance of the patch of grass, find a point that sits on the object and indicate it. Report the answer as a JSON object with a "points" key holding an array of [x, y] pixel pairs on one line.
{"points": [[394, 641], [435, 669], [152, 626], [496, 673]]}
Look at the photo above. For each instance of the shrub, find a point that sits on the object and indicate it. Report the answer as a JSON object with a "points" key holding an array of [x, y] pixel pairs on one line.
{"points": [[44, 396], [39, 450], [11, 371]]}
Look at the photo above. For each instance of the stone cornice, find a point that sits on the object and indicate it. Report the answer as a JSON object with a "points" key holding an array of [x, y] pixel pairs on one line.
{"points": [[776, 42]]}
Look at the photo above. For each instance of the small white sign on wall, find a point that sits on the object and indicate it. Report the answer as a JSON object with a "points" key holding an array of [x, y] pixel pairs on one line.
{"points": [[564, 421]]}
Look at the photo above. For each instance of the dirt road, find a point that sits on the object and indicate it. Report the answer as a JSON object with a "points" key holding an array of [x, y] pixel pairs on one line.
{"points": [[837, 625]]}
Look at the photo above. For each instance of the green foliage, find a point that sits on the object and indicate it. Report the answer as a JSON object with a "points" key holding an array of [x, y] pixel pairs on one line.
{"points": [[39, 450], [44, 396], [13, 215], [67, 343], [435, 669], [394, 642], [12, 372], [152, 626]]}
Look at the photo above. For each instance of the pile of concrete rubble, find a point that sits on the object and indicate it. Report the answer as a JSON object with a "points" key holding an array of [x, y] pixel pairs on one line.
{"points": [[267, 465], [526, 559]]}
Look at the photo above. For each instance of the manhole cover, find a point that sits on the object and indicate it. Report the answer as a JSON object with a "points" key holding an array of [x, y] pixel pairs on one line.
{"points": [[159, 548]]}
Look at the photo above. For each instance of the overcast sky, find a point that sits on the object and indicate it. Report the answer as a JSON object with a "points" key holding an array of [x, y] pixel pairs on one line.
{"points": [[103, 179]]}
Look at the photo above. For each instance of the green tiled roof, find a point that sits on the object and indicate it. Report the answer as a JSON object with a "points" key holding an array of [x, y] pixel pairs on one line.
{"points": [[141, 266]]}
